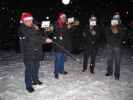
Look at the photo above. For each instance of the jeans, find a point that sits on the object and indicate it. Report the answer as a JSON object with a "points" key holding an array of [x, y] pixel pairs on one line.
{"points": [[92, 52], [113, 56], [59, 62], [31, 72]]}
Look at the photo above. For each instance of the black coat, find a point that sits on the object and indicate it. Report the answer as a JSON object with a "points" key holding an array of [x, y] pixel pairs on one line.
{"points": [[30, 43], [114, 39], [90, 40], [62, 37]]}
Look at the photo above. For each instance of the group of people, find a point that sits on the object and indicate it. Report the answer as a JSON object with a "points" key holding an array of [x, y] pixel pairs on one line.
{"points": [[31, 40], [114, 37]]}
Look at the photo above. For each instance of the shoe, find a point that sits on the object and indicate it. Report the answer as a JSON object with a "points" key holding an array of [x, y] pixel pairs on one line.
{"points": [[56, 76], [108, 74], [37, 82], [92, 69], [117, 77], [64, 73], [30, 89], [84, 70]]}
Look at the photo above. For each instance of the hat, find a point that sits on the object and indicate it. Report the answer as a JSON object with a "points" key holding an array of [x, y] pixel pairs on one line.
{"points": [[26, 16], [116, 15], [61, 14]]}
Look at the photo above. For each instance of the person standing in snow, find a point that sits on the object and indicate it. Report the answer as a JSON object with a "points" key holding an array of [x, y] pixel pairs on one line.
{"points": [[31, 48], [61, 37], [91, 39], [114, 37]]}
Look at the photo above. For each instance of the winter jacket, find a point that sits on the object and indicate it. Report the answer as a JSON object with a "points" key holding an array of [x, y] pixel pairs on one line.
{"points": [[89, 39], [30, 43], [62, 37], [114, 39]]}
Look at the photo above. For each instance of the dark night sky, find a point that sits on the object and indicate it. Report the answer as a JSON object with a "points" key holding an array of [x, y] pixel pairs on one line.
{"points": [[51, 3], [77, 7], [10, 11], [50, 7]]}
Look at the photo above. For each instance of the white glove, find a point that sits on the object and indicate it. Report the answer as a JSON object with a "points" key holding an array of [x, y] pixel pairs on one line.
{"points": [[48, 40]]}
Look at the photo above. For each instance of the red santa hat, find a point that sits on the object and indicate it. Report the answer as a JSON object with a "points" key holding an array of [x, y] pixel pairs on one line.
{"points": [[61, 14], [26, 16]]}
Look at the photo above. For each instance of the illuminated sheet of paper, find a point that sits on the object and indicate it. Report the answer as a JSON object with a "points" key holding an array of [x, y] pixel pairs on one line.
{"points": [[92, 23], [114, 22], [71, 20], [45, 24]]}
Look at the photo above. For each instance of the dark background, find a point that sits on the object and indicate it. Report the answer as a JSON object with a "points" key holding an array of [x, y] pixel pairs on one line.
{"points": [[10, 11]]}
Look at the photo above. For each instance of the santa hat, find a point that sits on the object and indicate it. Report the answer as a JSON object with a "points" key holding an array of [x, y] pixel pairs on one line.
{"points": [[26, 16], [61, 14]]}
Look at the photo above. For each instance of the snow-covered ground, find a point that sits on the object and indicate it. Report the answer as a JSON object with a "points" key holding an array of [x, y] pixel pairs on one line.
{"points": [[75, 86]]}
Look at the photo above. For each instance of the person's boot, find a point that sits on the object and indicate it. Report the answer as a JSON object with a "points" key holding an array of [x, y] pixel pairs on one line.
{"points": [[56, 76], [92, 68], [30, 89], [108, 74], [117, 77], [37, 82], [84, 69], [64, 73]]}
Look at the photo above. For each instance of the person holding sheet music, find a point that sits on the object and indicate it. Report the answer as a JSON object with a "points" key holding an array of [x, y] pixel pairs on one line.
{"points": [[62, 38], [114, 37], [91, 38], [31, 47]]}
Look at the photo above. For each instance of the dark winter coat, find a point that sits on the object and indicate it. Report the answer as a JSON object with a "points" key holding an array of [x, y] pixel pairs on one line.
{"points": [[62, 37], [30, 43], [90, 40], [114, 39]]}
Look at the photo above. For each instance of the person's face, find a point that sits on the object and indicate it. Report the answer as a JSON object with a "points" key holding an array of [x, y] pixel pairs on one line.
{"points": [[28, 23]]}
